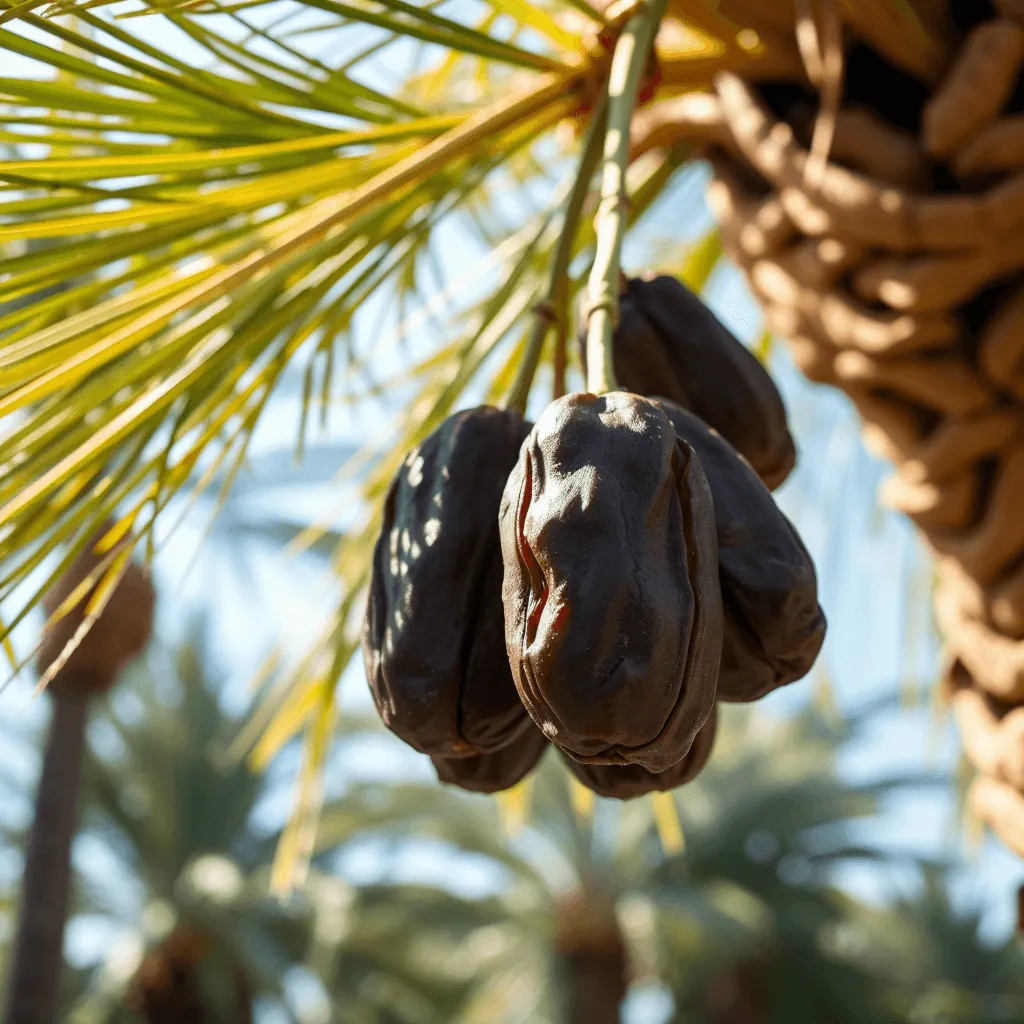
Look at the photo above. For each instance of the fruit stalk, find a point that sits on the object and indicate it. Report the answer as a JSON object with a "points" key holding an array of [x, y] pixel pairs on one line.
{"points": [[553, 310], [628, 64]]}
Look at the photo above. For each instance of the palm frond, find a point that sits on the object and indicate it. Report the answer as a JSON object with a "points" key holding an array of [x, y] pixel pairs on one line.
{"points": [[256, 241]]}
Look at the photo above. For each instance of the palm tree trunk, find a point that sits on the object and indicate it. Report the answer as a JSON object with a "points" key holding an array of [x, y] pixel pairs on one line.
{"points": [[167, 987], [594, 988], [741, 995], [592, 957], [36, 966]]}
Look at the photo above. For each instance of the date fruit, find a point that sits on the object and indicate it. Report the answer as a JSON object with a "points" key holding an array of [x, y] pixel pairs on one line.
{"points": [[774, 627], [629, 781], [433, 638], [669, 343], [500, 769], [613, 613]]}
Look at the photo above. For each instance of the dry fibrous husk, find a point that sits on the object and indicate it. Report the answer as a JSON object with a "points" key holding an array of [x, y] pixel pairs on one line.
{"points": [[915, 310], [959, 442], [997, 147], [1001, 345], [950, 505], [984, 651], [975, 88], [992, 731], [1000, 805], [987, 548], [845, 203]]}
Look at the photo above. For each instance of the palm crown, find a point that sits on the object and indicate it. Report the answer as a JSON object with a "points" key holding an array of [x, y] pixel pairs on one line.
{"points": [[144, 339], [194, 235]]}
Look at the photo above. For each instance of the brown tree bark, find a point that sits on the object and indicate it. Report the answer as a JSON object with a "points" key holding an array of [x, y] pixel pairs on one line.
{"points": [[740, 996], [120, 632], [592, 959], [36, 965], [594, 989], [168, 987]]}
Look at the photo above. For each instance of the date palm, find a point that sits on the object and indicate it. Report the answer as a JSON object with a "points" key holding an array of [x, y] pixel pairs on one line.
{"points": [[181, 857], [102, 585], [746, 921], [713, 925], [234, 194], [184, 878]]}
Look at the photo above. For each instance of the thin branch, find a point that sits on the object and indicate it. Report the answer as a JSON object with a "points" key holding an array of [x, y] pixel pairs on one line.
{"points": [[628, 65], [553, 310]]}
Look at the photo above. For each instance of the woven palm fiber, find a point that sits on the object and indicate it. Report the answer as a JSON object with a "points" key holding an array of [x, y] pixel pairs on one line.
{"points": [[894, 268]]}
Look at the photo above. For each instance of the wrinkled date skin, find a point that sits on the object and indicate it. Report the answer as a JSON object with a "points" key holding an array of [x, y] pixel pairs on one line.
{"points": [[434, 634], [496, 771], [613, 616], [629, 781], [669, 343], [774, 627]]}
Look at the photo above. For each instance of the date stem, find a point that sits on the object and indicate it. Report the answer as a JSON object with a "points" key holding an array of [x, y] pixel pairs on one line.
{"points": [[628, 64], [553, 310]]}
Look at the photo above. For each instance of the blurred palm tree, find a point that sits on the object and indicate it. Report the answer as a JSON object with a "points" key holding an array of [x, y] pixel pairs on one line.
{"points": [[180, 858], [175, 873], [955, 978], [745, 925]]}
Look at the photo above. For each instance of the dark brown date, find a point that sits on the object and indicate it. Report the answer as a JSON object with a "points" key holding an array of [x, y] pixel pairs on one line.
{"points": [[498, 770], [613, 617], [774, 627], [434, 635], [629, 781], [669, 343]]}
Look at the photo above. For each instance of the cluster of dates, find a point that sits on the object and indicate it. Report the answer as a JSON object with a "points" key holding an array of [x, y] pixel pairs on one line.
{"points": [[600, 579]]}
